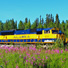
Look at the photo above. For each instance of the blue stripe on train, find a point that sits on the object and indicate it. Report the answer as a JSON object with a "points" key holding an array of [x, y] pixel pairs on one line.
{"points": [[36, 40], [8, 40], [21, 40], [32, 40], [11, 40], [3, 41], [26, 40], [15, 40], [0, 40]]}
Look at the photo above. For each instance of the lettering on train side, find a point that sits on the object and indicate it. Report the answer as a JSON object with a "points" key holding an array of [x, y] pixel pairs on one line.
{"points": [[21, 37]]}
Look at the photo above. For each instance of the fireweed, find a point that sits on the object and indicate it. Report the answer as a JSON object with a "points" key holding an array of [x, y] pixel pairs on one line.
{"points": [[24, 57]]}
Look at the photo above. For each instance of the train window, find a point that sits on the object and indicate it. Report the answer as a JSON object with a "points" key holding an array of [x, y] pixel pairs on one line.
{"points": [[7, 33], [55, 31], [45, 32], [39, 32]]}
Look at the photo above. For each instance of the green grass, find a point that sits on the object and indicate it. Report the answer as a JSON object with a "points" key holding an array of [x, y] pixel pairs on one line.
{"points": [[33, 57]]}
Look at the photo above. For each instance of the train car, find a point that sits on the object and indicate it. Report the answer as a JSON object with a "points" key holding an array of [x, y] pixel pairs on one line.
{"points": [[41, 35]]}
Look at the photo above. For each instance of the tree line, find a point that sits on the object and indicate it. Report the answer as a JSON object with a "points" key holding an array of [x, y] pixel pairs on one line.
{"points": [[48, 22]]}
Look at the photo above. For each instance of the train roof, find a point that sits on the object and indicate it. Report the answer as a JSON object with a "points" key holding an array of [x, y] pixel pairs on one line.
{"points": [[28, 31], [7, 31], [46, 29], [38, 29]]}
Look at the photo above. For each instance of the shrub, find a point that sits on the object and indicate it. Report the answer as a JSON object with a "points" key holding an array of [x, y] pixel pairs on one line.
{"points": [[58, 44]]}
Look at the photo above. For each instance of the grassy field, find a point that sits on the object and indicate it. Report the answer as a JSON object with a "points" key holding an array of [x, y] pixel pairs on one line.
{"points": [[32, 57]]}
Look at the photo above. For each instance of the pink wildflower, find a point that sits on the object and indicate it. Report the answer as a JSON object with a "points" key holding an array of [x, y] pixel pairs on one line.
{"points": [[20, 55], [34, 49], [32, 63], [38, 53], [66, 50], [30, 48], [43, 58], [26, 60], [57, 51], [4, 46], [61, 51], [61, 58], [6, 51], [52, 50], [27, 54], [49, 51], [38, 57], [43, 64], [14, 49], [32, 56], [6, 63], [9, 49], [0, 47], [17, 66], [46, 51], [42, 61], [34, 59], [40, 64], [62, 61], [17, 48], [40, 50], [0, 54], [46, 57]]}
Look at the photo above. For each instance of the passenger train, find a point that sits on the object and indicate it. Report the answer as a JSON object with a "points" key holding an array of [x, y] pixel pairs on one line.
{"points": [[40, 35]]}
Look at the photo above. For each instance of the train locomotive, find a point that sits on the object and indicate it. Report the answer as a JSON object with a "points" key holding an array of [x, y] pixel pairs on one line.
{"points": [[39, 35]]}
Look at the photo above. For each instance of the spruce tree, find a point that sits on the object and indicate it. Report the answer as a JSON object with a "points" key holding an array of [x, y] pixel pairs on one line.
{"points": [[5, 26], [63, 26], [12, 24], [21, 25], [28, 25], [57, 23], [34, 25], [66, 27], [25, 23], [1, 26], [40, 25]]}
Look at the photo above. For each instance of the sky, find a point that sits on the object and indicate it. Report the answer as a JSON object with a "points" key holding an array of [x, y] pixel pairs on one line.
{"points": [[32, 9]]}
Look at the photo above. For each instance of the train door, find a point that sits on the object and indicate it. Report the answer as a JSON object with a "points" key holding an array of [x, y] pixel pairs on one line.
{"points": [[39, 33]]}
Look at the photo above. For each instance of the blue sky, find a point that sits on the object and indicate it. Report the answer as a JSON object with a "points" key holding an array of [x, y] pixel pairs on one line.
{"points": [[32, 9]]}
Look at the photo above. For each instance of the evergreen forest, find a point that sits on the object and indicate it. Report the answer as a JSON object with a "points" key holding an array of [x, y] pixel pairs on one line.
{"points": [[48, 22]]}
